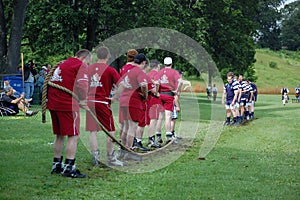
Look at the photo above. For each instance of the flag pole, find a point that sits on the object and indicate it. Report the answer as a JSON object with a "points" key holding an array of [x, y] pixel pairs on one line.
{"points": [[22, 62]]}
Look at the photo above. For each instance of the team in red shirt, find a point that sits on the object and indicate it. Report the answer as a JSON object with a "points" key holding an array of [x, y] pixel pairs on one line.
{"points": [[142, 99]]}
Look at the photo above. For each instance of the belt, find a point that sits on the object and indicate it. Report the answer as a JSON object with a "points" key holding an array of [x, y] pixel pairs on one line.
{"points": [[168, 93]]}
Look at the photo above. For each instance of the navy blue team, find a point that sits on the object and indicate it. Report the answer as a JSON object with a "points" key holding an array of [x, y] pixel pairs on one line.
{"points": [[230, 94]]}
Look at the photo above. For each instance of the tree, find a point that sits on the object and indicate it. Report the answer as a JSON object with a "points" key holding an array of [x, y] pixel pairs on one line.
{"points": [[267, 18], [290, 26], [10, 52], [229, 35]]}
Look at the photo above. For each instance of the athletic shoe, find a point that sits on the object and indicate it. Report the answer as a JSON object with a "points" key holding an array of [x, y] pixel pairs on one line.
{"points": [[31, 113], [159, 140], [177, 137], [226, 123], [57, 168], [70, 171], [237, 123], [28, 100], [113, 161], [169, 138], [140, 146], [73, 174], [152, 143], [96, 158]]}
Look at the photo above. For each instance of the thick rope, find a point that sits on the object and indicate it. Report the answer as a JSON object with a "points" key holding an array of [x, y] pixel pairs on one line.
{"points": [[44, 94], [102, 127]]}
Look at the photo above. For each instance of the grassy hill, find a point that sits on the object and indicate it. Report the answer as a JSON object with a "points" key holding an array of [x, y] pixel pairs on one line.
{"points": [[273, 69], [276, 70]]}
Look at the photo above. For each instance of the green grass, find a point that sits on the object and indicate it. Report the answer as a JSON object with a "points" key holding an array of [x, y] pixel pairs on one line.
{"points": [[270, 79], [286, 74], [258, 161]]}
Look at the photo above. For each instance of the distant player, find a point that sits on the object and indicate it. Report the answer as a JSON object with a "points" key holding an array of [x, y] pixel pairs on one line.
{"points": [[229, 99], [102, 78], [169, 85], [284, 95]]}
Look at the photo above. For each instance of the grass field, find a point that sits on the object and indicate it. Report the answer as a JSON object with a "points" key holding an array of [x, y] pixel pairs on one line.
{"points": [[260, 160], [270, 80]]}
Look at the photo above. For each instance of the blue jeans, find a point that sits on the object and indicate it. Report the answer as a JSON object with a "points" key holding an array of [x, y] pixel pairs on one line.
{"points": [[29, 88]]}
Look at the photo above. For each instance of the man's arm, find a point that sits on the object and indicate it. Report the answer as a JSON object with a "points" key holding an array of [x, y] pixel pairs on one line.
{"points": [[120, 88], [236, 93], [144, 89]]}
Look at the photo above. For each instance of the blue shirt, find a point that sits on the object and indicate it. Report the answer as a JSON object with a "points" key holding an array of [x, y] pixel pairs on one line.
{"points": [[231, 89]]}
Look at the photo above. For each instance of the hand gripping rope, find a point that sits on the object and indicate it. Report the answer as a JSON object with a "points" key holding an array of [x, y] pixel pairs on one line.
{"points": [[44, 107]]}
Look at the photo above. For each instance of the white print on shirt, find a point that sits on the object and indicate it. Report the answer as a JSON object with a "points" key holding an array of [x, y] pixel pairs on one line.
{"points": [[126, 82], [95, 81], [56, 75], [164, 79]]}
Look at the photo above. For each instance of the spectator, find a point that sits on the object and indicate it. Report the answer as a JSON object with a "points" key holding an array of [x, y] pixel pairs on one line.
{"points": [[15, 93], [19, 70], [215, 92], [29, 73], [14, 103]]}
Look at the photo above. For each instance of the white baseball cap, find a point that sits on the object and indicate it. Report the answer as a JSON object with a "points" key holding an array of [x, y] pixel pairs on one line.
{"points": [[168, 61]]}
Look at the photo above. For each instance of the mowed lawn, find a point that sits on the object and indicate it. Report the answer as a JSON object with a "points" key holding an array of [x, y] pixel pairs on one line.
{"points": [[260, 160]]}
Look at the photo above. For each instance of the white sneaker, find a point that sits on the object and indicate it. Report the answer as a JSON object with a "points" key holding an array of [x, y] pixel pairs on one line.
{"points": [[113, 161], [96, 158]]}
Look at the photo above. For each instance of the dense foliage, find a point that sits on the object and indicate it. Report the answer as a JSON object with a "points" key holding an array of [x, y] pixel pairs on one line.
{"points": [[54, 29]]}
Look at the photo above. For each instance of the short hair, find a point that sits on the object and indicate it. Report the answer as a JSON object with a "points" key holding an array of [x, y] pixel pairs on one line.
{"points": [[139, 58], [102, 52], [83, 53], [154, 63], [7, 89], [230, 74], [130, 55]]}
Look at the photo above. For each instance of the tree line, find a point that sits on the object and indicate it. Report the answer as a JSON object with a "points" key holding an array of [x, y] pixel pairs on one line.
{"points": [[229, 30]]}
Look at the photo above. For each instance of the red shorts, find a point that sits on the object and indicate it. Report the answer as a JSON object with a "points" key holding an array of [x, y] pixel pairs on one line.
{"points": [[104, 115], [65, 123], [145, 119], [155, 107], [133, 114], [167, 101]]}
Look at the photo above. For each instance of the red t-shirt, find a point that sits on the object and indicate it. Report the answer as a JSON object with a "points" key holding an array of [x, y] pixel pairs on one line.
{"points": [[152, 74], [102, 77], [168, 79], [125, 69], [71, 74], [133, 79]]}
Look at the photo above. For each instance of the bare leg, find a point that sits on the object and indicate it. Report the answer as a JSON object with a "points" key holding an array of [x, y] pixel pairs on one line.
{"points": [[93, 141], [109, 143], [159, 122], [58, 146], [168, 115], [124, 132], [71, 147], [151, 127], [131, 132], [140, 132]]}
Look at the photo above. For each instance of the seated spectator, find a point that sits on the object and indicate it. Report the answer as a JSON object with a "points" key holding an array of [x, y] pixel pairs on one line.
{"points": [[16, 104], [7, 83]]}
